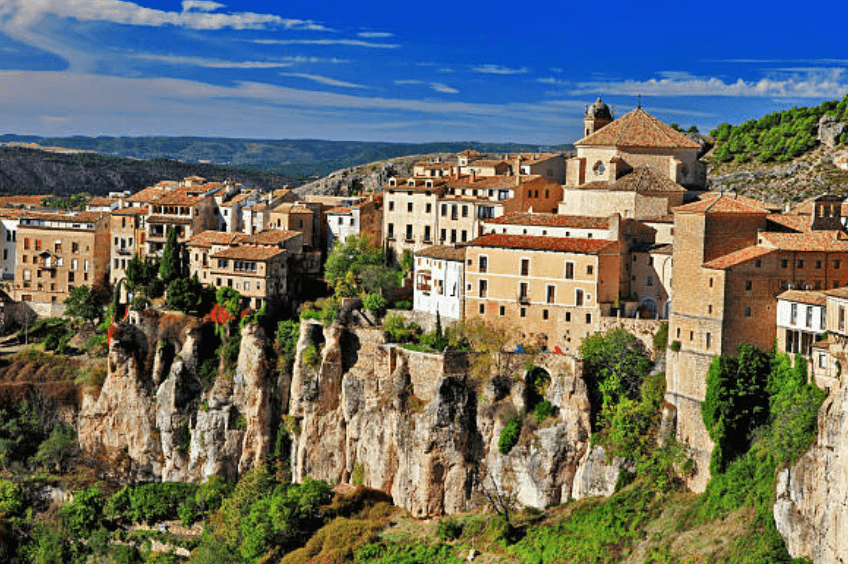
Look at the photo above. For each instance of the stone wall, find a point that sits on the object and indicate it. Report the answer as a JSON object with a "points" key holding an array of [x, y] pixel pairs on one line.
{"points": [[643, 329]]}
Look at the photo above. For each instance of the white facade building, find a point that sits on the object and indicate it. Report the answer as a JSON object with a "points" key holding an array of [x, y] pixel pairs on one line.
{"points": [[8, 238], [439, 278], [801, 319]]}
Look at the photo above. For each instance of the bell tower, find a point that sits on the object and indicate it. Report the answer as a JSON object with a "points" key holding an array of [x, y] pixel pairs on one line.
{"points": [[595, 117]]}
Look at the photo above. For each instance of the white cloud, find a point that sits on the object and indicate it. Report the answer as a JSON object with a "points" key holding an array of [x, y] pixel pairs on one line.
{"points": [[498, 69], [443, 88], [551, 80], [195, 15], [322, 79], [353, 42], [375, 34], [827, 83], [408, 82], [201, 5], [220, 64]]}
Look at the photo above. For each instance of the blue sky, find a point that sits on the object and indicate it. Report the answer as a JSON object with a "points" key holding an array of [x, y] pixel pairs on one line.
{"points": [[403, 70]]}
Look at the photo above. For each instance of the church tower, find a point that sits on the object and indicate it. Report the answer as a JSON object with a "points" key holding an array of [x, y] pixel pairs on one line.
{"points": [[595, 117]]}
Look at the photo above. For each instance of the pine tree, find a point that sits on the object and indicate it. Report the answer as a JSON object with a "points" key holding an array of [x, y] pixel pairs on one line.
{"points": [[170, 268]]}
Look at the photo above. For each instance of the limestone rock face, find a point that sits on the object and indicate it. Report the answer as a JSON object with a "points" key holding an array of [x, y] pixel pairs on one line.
{"points": [[416, 426], [154, 418], [811, 510], [830, 129]]}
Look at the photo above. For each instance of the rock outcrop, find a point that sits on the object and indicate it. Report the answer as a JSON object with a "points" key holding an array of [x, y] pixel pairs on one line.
{"points": [[811, 510], [417, 426], [830, 129], [156, 420]]}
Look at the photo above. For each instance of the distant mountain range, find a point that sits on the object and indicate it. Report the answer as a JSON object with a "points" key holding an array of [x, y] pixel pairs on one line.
{"points": [[292, 157]]}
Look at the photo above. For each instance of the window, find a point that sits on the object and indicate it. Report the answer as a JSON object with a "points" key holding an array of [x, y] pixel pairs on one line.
{"points": [[247, 285], [454, 209], [523, 291], [836, 264], [444, 211], [710, 308], [822, 360], [748, 284], [502, 311], [809, 318], [74, 264], [409, 207], [678, 332], [823, 319], [391, 205], [793, 314], [708, 339], [524, 312], [483, 286], [578, 297], [483, 263], [588, 318], [545, 314], [650, 281], [784, 263], [800, 263], [590, 269], [818, 264], [747, 311], [26, 242], [408, 232], [758, 263], [569, 271], [464, 235], [568, 316], [841, 318], [525, 267], [550, 294], [429, 208], [464, 211], [426, 233], [691, 335], [482, 309], [70, 276], [453, 235], [711, 282], [443, 235]]}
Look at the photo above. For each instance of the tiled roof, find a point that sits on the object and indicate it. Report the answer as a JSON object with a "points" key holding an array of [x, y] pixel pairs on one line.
{"points": [[486, 162], [11, 213], [176, 199], [244, 252], [148, 194], [269, 237], [803, 297], [23, 200], [659, 219], [791, 221], [823, 344], [169, 219], [291, 208], [738, 257], [339, 210], [723, 203], [131, 211], [209, 238], [838, 292], [830, 241], [442, 252], [79, 217], [641, 179], [530, 242], [101, 202], [638, 129], [552, 220]]}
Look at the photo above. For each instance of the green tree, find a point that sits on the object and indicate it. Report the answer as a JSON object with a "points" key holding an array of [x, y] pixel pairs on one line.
{"points": [[58, 448], [82, 303], [142, 273], [186, 295], [170, 268], [358, 266]]}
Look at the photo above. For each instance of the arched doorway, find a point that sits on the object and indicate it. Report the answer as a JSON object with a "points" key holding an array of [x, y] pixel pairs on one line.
{"points": [[536, 383], [651, 305]]}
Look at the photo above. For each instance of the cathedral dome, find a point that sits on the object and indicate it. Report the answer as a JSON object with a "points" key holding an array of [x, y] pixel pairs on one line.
{"points": [[599, 110]]}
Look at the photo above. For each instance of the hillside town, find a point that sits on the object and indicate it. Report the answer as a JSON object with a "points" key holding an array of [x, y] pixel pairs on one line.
{"points": [[622, 233]]}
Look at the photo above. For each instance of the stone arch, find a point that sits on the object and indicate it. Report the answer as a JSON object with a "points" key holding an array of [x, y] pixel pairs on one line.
{"points": [[651, 305], [536, 382]]}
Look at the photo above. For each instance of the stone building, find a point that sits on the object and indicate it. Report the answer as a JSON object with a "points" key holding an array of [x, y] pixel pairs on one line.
{"points": [[58, 252], [732, 258], [439, 281], [128, 229], [300, 217], [552, 289]]}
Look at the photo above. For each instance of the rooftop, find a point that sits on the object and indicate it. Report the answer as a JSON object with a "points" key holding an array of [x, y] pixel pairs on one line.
{"points": [[244, 252], [531, 242], [723, 203], [830, 241], [442, 252], [551, 220], [810, 297], [641, 179], [738, 257], [638, 129]]}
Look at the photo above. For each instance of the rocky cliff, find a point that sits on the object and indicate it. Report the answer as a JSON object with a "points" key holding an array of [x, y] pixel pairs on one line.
{"points": [[155, 418], [417, 426], [811, 511]]}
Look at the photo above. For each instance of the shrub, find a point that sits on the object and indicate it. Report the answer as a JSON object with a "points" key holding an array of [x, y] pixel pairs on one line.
{"points": [[661, 338], [310, 356], [543, 410], [403, 304], [510, 434], [675, 346], [449, 529], [375, 304]]}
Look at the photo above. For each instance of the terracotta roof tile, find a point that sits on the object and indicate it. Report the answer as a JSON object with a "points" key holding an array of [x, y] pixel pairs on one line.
{"points": [[23, 200], [244, 252], [791, 221], [101, 202], [723, 203], [804, 297], [531, 242], [79, 217], [551, 220], [148, 194], [641, 179], [131, 211], [830, 241], [443, 252], [209, 238], [738, 257], [176, 199], [638, 129], [838, 292], [169, 219]]}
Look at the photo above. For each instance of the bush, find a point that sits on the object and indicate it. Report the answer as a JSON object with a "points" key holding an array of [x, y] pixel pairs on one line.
{"points": [[375, 304], [403, 304], [449, 529], [510, 434], [661, 338], [310, 356], [675, 346], [543, 410]]}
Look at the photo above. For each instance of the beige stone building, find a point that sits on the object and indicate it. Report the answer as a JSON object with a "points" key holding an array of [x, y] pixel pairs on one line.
{"points": [[58, 252], [297, 216], [128, 227], [732, 258], [554, 290]]}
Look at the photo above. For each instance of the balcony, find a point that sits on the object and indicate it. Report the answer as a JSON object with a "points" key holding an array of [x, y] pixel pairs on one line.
{"points": [[524, 298]]}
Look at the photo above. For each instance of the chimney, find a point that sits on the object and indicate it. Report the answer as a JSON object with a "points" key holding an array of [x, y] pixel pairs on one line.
{"points": [[518, 170], [473, 176]]}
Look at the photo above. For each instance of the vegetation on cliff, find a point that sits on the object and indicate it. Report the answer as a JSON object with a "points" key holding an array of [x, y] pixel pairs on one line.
{"points": [[779, 136]]}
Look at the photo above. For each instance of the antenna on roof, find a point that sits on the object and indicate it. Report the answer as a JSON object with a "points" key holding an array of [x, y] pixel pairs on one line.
{"points": [[638, 101]]}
